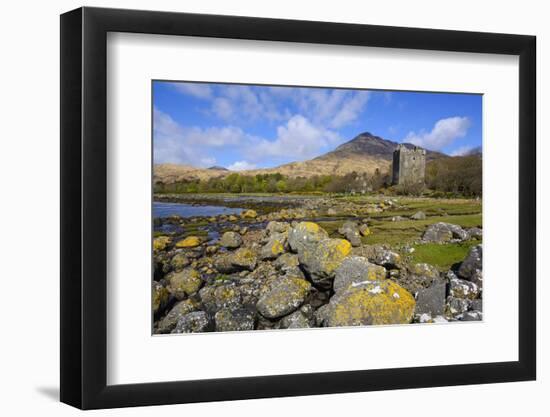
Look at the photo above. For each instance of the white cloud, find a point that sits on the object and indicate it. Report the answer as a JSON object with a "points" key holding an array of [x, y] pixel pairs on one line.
{"points": [[444, 133], [241, 166], [296, 140], [194, 89], [461, 151], [222, 108], [192, 146], [350, 109]]}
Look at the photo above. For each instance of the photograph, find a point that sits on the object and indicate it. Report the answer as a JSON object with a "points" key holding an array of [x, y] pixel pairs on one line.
{"points": [[294, 207]]}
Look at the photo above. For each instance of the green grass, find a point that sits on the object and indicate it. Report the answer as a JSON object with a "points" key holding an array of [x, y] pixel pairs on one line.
{"points": [[442, 256]]}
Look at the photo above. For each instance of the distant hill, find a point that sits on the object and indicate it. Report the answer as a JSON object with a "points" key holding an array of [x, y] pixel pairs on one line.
{"points": [[364, 154]]}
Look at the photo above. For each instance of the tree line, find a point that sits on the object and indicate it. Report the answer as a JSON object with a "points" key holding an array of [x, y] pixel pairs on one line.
{"points": [[452, 176]]}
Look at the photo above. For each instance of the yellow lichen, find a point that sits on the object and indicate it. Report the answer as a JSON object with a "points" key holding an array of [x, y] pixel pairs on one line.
{"points": [[160, 243], [189, 242], [373, 303], [277, 247]]}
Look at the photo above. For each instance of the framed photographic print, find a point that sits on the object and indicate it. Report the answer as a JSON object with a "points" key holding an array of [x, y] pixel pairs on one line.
{"points": [[259, 207]]}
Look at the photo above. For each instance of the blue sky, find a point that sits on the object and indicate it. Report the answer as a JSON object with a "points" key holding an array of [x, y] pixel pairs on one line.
{"points": [[245, 127]]}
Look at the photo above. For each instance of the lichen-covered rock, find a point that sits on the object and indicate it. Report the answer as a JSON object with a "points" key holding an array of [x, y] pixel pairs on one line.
{"points": [[231, 240], [189, 242], [287, 260], [384, 257], [475, 233], [274, 247], [241, 259], [300, 319], [277, 227], [234, 320], [350, 231], [249, 214], [195, 322], [419, 215], [160, 297], [285, 297], [471, 267], [444, 232], [305, 234], [223, 296], [456, 306], [244, 258], [364, 230], [168, 322], [179, 261], [355, 269], [419, 276], [322, 259], [370, 303], [161, 242], [431, 300], [185, 282], [461, 288]]}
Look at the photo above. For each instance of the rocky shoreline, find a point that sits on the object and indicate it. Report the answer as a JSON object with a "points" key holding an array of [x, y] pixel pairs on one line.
{"points": [[276, 269]]}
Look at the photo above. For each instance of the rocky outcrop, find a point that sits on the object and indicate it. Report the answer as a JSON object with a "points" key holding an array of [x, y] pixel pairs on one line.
{"points": [[321, 260], [357, 269], [285, 297], [370, 303], [444, 232], [186, 282], [231, 240]]}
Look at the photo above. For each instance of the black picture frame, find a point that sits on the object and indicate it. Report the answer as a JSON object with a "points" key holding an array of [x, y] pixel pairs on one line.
{"points": [[84, 207]]}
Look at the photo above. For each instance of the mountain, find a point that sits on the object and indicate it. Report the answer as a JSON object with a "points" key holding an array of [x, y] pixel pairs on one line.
{"points": [[218, 168], [365, 153]]}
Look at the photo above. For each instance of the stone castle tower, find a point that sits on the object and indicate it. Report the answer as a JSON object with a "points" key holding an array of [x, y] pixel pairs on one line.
{"points": [[409, 165]]}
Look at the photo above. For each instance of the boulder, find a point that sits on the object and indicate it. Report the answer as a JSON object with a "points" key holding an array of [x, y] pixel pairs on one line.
{"points": [[305, 234], [241, 259], [431, 300], [419, 276], [472, 265], [160, 297], [385, 257], [186, 282], [364, 230], [249, 214], [244, 258], [160, 243], [287, 260], [322, 259], [195, 322], [475, 233], [370, 303], [284, 298], [231, 240], [350, 231], [419, 215], [168, 322], [229, 320], [300, 319], [277, 227], [179, 261], [223, 296], [189, 242], [274, 247], [460, 288], [444, 232], [355, 269], [456, 306]]}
